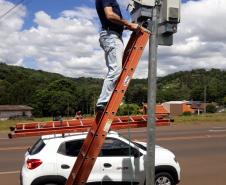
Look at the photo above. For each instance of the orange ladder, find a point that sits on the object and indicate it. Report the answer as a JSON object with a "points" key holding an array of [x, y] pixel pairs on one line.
{"points": [[97, 133], [78, 125]]}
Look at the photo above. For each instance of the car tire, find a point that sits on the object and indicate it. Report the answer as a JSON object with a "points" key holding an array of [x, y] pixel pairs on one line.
{"points": [[164, 178]]}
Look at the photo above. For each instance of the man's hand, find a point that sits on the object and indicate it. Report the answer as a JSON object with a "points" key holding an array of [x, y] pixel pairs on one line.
{"points": [[118, 20], [133, 26], [136, 28]]}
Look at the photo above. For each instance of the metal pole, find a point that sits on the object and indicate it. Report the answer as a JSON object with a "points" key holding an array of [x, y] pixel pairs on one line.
{"points": [[152, 78], [205, 99]]}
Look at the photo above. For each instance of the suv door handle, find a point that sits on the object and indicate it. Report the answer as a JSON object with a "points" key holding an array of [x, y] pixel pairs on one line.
{"points": [[107, 165], [65, 166]]}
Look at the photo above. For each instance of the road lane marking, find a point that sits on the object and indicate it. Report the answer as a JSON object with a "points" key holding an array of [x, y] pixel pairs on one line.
{"points": [[14, 148], [10, 172], [131, 131], [218, 127], [191, 137], [3, 138], [223, 130]]}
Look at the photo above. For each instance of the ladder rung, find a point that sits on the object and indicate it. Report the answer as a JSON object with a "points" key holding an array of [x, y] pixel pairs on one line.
{"points": [[68, 126]]}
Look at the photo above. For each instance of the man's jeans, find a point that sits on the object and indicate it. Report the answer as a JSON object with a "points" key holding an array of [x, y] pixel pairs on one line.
{"points": [[113, 47]]}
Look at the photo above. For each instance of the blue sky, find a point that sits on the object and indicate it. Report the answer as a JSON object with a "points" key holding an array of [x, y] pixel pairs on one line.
{"points": [[55, 7], [61, 36]]}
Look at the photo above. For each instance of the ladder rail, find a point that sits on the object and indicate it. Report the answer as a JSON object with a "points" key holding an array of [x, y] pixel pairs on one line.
{"points": [[120, 122], [97, 134]]}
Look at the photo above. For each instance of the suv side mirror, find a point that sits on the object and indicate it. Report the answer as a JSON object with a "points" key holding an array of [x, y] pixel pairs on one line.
{"points": [[136, 153]]}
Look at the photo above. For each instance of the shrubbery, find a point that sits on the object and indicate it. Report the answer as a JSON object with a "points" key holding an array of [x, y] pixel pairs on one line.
{"points": [[186, 113], [128, 109], [210, 108]]}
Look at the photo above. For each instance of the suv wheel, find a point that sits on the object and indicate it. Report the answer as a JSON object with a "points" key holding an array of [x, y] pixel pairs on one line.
{"points": [[164, 178]]}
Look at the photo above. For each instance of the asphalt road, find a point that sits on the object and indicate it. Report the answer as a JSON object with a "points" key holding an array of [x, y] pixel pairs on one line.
{"points": [[200, 149]]}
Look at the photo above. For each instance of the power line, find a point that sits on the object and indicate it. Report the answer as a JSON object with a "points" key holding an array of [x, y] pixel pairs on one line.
{"points": [[11, 9]]}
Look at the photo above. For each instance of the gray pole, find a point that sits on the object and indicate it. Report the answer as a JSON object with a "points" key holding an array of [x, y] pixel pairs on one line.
{"points": [[205, 99], [152, 78]]}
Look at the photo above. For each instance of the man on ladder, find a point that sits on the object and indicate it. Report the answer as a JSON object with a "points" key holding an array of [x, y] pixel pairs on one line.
{"points": [[111, 42]]}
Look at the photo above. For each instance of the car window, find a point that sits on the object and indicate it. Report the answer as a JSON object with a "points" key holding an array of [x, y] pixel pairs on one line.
{"points": [[111, 147], [115, 147], [37, 147], [140, 146], [70, 148]]}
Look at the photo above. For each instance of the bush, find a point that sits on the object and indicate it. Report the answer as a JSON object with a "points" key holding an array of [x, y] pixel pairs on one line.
{"points": [[128, 109], [210, 108], [186, 113], [224, 101]]}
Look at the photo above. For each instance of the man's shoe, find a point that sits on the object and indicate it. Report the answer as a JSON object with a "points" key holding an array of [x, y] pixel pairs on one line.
{"points": [[101, 107]]}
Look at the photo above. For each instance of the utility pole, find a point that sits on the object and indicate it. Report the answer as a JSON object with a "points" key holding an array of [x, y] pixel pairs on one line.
{"points": [[152, 80], [162, 17], [205, 98], [94, 105]]}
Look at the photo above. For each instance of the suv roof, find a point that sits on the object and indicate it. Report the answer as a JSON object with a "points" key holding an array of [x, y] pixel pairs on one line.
{"points": [[54, 136]]}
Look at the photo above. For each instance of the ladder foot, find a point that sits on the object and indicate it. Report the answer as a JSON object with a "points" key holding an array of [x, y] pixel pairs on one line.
{"points": [[12, 128], [10, 136], [98, 116]]}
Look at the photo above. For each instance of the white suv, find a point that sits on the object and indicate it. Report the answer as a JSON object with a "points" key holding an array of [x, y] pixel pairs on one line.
{"points": [[121, 161]]}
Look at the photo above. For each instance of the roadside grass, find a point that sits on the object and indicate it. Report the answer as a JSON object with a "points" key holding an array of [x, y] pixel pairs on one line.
{"points": [[4, 125], [203, 118]]}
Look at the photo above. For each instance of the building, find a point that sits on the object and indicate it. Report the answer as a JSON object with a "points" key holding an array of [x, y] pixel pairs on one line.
{"points": [[176, 108], [197, 106], [13, 111], [160, 111]]}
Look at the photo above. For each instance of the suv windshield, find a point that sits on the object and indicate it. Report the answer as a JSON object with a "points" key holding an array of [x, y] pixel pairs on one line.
{"points": [[37, 147], [140, 146], [136, 144]]}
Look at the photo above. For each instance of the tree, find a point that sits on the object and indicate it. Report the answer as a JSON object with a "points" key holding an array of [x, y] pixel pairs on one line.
{"points": [[225, 101], [4, 92], [46, 92], [210, 108], [137, 94], [128, 109]]}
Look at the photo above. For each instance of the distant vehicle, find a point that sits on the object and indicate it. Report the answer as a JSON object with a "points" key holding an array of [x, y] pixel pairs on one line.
{"points": [[121, 161], [221, 110]]}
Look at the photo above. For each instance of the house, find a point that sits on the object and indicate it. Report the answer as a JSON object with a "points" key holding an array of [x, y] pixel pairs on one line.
{"points": [[176, 108], [160, 111], [197, 106], [13, 111]]}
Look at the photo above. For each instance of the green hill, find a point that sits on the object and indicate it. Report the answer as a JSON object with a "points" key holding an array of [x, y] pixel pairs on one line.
{"points": [[189, 85], [50, 93], [47, 93]]}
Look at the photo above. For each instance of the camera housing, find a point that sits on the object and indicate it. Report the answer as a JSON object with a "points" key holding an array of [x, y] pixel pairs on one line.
{"points": [[169, 16]]}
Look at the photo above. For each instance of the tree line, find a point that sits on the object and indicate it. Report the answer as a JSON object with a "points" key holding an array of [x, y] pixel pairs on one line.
{"points": [[51, 94]]}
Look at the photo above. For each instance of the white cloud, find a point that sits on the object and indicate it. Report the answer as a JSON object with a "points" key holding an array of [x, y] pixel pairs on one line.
{"points": [[200, 41], [80, 12], [69, 44]]}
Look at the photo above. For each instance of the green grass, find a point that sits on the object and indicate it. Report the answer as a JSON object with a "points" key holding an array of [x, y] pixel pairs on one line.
{"points": [[4, 125], [204, 118]]}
